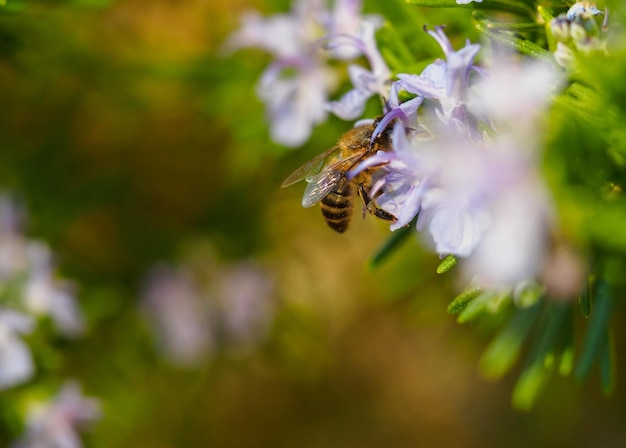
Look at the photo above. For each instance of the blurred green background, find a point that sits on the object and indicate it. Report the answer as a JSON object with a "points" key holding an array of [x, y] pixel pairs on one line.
{"points": [[133, 139]]}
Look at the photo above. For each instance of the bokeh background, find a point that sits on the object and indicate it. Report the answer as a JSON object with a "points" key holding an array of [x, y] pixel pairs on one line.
{"points": [[137, 146]]}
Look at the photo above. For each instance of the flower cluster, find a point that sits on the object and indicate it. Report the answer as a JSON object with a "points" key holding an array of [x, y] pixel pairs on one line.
{"points": [[29, 290], [465, 161], [55, 423], [297, 85], [577, 31]]}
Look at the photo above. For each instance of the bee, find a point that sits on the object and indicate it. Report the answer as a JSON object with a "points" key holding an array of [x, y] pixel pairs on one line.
{"points": [[328, 181]]}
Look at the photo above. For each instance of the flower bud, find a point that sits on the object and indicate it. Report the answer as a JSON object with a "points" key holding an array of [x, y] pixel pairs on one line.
{"points": [[560, 27]]}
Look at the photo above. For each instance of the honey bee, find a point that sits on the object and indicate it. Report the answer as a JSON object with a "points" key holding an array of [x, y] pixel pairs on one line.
{"points": [[328, 182]]}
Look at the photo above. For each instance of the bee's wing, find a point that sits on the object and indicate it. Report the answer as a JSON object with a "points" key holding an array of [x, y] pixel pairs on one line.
{"points": [[319, 186], [309, 169], [323, 183]]}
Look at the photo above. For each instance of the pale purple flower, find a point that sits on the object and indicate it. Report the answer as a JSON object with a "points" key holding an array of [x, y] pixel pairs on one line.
{"points": [[582, 9], [465, 2], [295, 87], [16, 362], [244, 293], [283, 35], [563, 55], [346, 21], [447, 81], [298, 83], [405, 181], [444, 81], [480, 198], [179, 315], [45, 295], [515, 95], [295, 103], [578, 30], [13, 258], [194, 315], [474, 184], [451, 186], [366, 82], [55, 424], [346, 17], [461, 190], [515, 247]]}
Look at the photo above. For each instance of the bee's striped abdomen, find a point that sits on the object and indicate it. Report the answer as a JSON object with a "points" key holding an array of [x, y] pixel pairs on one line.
{"points": [[337, 206]]}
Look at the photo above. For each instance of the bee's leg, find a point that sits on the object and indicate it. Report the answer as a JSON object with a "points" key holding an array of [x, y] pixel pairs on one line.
{"points": [[372, 208]]}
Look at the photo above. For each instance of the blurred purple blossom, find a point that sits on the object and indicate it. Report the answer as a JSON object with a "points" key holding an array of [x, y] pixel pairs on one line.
{"points": [[244, 293], [45, 295], [31, 290], [283, 35], [55, 424], [366, 83], [515, 96], [179, 315], [29, 263], [13, 260], [16, 363], [297, 85], [295, 103], [193, 315], [346, 21]]}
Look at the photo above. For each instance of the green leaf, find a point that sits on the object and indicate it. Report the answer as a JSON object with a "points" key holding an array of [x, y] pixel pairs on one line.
{"points": [[521, 45], [541, 358], [596, 331], [462, 300], [607, 363], [393, 49], [545, 14], [512, 6], [528, 386], [509, 26], [566, 362], [547, 17], [565, 345], [555, 316], [396, 239], [504, 349], [475, 307], [447, 263]]}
